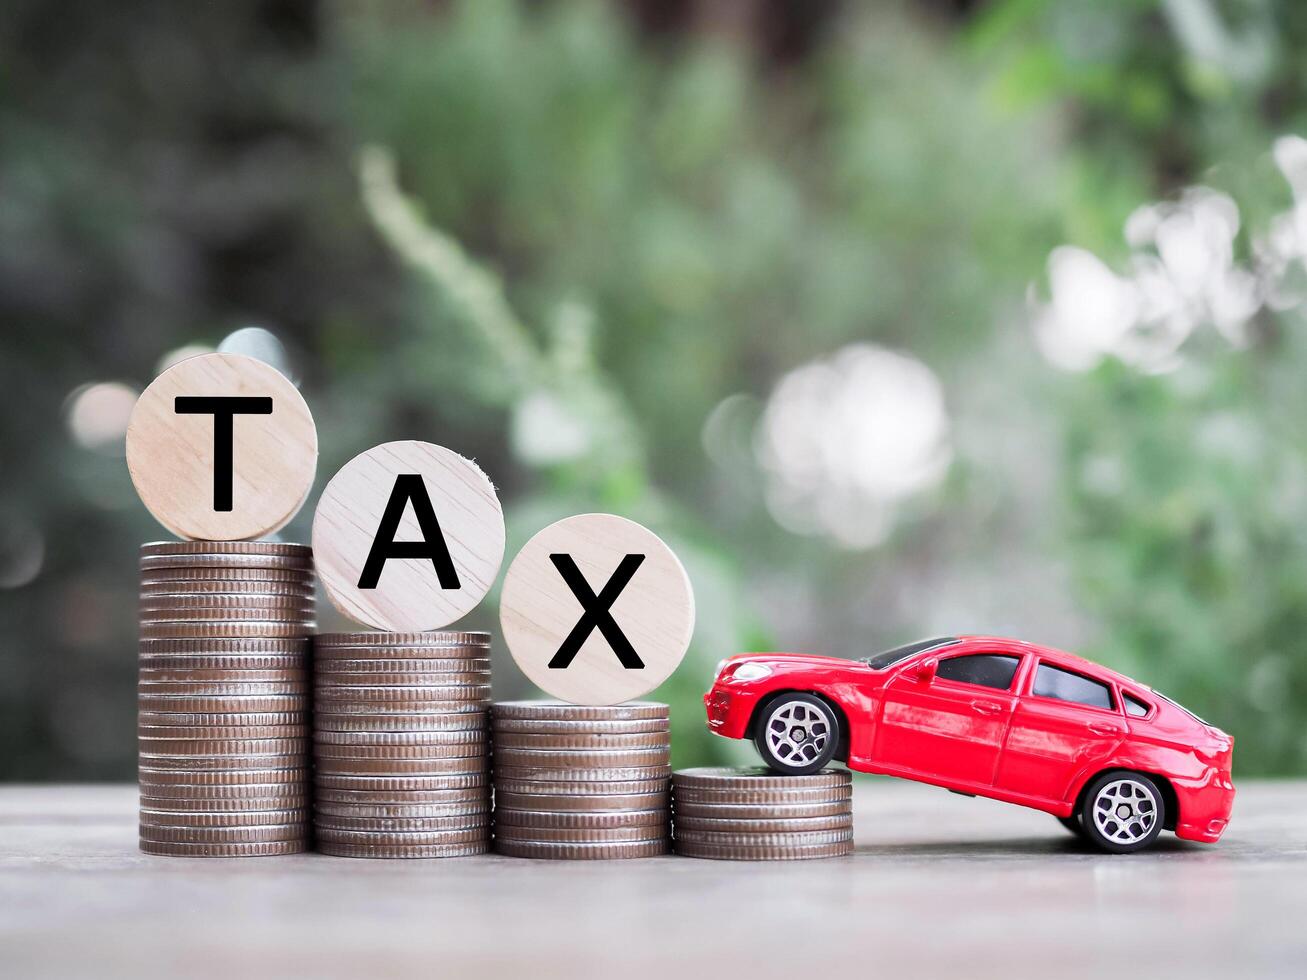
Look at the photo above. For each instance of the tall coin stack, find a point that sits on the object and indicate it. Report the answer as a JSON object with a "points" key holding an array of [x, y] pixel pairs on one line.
{"points": [[758, 815], [402, 767], [579, 782], [223, 696]]}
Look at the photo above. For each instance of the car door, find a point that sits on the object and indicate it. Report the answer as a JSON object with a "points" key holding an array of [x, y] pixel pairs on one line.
{"points": [[1066, 722], [948, 727]]}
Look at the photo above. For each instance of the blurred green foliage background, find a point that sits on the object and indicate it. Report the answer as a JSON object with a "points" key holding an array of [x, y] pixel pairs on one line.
{"points": [[893, 318]]}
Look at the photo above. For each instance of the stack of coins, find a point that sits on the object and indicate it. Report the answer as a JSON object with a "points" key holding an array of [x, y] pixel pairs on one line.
{"points": [[223, 725], [581, 782], [758, 815], [402, 766]]}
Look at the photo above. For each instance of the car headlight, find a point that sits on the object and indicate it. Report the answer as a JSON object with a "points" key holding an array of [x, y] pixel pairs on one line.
{"points": [[717, 671], [750, 672]]}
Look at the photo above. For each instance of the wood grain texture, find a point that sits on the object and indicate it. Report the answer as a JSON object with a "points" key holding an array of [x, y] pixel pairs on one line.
{"points": [[655, 610], [939, 886], [408, 596], [170, 455]]}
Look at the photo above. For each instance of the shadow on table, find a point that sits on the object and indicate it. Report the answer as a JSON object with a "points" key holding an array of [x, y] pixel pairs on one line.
{"points": [[1010, 847]]}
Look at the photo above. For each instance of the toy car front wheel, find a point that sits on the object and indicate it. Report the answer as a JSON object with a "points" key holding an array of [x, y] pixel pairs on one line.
{"points": [[1122, 812], [797, 734]]}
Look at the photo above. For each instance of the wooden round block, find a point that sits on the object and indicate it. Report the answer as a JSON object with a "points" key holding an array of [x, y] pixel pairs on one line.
{"points": [[408, 537], [596, 609], [222, 447]]}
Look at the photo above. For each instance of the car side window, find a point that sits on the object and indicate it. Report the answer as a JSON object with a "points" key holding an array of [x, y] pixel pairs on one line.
{"points": [[1053, 682], [1135, 707], [984, 669]]}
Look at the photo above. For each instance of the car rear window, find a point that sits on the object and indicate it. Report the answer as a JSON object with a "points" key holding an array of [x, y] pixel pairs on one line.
{"points": [[1054, 682], [986, 669], [1135, 707]]}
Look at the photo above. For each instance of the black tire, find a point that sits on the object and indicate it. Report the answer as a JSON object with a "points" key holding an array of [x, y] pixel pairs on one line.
{"points": [[1122, 812], [1072, 823], [810, 737]]}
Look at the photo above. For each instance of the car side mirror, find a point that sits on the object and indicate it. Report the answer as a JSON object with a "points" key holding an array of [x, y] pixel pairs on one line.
{"points": [[925, 672]]}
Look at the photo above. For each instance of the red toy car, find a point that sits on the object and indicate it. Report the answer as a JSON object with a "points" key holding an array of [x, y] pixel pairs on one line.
{"points": [[1113, 760]]}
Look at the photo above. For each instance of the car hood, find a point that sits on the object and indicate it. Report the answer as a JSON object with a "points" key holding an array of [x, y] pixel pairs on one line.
{"points": [[797, 660]]}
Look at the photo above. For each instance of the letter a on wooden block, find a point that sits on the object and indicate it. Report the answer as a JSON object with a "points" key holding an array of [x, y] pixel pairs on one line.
{"points": [[596, 609], [408, 537], [222, 447]]}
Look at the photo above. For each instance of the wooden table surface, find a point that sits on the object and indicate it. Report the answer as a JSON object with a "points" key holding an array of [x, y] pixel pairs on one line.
{"points": [[940, 885]]}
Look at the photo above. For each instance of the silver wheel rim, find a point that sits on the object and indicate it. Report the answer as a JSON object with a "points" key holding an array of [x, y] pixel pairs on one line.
{"points": [[1125, 811], [798, 732]]}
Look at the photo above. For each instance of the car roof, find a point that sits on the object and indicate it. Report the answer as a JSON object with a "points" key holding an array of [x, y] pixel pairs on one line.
{"points": [[1069, 660]]}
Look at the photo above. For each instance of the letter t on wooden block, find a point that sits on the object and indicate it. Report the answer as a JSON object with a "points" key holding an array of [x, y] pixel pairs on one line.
{"points": [[222, 447], [408, 537]]}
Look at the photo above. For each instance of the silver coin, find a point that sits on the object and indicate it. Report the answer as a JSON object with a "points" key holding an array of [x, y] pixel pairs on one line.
{"points": [[536, 726], [434, 640], [329, 693], [469, 719], [248, 834], [287, 792], [757, 778], [796, 839], [229, 806], [209, 764], [470, 737], [514, 758], [387, 711], [207, 818], [221, 746], [241, 663], [226, 630], [565, 851], [390, 825], [581, 774], [410, 811], [401, 767], [588, 742], [403, 851], [226, 646], [581, 820], [210, 689], [465, 780], [578, 835], [793, 825], [261, 849], [170, 719], [597, 787], [326, 680], [406, 838], [283, 549], [764, 853], [762, 811], [472, 797], [562, 711], [455, 750], [243, 705], [340, 668], [592, 803]]}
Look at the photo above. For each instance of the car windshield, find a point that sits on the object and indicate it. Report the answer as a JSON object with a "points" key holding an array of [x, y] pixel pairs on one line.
{"points": [[890, 657]]}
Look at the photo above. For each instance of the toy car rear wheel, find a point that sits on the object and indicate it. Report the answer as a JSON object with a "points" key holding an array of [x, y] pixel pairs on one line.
{"points": [[1122, 812], [797, 734]]}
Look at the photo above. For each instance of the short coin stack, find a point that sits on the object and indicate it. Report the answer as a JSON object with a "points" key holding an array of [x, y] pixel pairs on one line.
{"points": [[223, 696], [758, 815], [402, 767], [581, 782]]}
